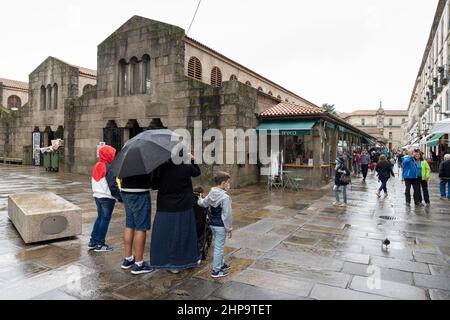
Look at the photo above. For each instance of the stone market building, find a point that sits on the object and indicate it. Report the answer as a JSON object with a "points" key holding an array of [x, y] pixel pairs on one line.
{"points": [[384, 125], [147, 72]]}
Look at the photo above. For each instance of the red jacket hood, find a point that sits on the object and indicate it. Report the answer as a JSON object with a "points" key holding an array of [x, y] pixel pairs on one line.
{"points": [[107, 154]]}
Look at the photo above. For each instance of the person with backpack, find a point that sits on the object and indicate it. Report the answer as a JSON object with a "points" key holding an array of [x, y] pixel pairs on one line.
{"points": [[341, 179], [384, 171]]}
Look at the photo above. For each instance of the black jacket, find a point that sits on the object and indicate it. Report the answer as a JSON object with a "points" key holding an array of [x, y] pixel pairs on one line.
{"points": [[174, 186], [137, 182], [384, 170], [444, 170]]}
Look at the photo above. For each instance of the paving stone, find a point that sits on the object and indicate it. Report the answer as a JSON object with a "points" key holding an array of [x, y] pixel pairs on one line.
{"points": [[263, 242], [324, 292], [273, 281], [237, 265], [192, 289], [285, 229], [388, 289], [353, 257], [16, 272], [301, 240], [54, 295], [262, 226], [302, 249], [389, 253], [248, 254], [240, 291], [440, 270], [400, 265], [386, 274], [296, 271], [431, 259], [44, 282], [436, 294], [329, 230], [430, 281], [306, 260]]}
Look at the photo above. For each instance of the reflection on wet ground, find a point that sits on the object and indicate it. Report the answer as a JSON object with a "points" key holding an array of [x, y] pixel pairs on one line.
{"points": [[286, 245]]}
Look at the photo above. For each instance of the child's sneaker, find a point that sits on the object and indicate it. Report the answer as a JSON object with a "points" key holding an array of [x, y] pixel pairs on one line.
{"points": [[225, 267], [126, 264], [91, 246], [218, 274], [144, 268], [103, 248]]}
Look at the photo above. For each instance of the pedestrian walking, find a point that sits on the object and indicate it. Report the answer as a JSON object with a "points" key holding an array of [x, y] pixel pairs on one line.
{"points": [[424, 176], [357, 163], [410, 176], [221, 218], [384, 171], [174, 237], [365, 161], [341, 180], [444, 175], [106, 191]]}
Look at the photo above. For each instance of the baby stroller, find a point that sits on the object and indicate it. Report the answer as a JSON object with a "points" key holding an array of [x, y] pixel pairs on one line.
{"points": [[204, 233]]}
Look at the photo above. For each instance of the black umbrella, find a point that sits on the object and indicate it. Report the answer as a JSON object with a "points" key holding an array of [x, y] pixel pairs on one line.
{"points": [[145, 152]]}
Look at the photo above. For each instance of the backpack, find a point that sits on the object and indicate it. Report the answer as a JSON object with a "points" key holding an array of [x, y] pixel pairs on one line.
{"points": [[345, 179]]}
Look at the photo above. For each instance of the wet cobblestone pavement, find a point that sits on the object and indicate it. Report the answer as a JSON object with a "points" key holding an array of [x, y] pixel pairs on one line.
{"points": [[286, 245]]}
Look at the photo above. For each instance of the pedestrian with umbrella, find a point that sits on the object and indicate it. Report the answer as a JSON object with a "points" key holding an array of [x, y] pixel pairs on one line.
{"points": [[134, 165], [174, 237]]}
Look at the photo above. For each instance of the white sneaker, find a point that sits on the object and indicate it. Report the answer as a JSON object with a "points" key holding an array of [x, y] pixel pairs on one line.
{"points": [[174, 271], [336, 203], [342, 205]]}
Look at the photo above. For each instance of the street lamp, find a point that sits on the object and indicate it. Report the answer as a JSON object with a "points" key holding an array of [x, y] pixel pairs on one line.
{"points": [[437, 109]]}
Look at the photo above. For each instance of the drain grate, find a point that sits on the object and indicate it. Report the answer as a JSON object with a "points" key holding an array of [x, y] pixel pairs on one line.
{"points": [[387, 217]]}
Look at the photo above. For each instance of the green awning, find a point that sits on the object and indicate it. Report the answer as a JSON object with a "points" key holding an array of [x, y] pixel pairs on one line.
{"points": [[287, 128], [434, 141], [370, 141]]}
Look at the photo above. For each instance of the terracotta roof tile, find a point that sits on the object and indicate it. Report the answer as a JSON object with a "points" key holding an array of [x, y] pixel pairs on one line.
{"points": [[14, 84], [291, 109], [88, 72]]}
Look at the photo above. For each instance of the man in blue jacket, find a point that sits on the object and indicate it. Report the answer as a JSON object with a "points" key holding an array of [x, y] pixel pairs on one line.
{"points": [[411, 178]]}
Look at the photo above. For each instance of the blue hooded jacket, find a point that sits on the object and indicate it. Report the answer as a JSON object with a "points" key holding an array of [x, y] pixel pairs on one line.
{"points": [[410, 170]]}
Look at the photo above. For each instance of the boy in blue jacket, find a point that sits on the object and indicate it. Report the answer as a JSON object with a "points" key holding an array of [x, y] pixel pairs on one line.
{"points": [[411, 177]]}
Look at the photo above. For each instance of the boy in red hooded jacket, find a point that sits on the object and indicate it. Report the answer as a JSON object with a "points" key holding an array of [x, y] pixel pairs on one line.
{"points": [[106, 191]]}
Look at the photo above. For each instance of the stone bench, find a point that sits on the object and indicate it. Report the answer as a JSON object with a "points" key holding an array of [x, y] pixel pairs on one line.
{"points": [[11, 160], [44, 216]]}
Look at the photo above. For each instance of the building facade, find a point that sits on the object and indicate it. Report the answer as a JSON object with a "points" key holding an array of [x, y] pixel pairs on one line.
{"points": [[429, 101], [147, 72], [385, 125], [13, 94]]}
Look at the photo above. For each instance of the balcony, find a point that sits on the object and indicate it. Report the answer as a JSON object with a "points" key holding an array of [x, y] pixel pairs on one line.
{"points": [[443, 75]]}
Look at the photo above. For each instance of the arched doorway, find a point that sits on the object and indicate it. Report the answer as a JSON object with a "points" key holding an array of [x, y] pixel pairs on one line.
{"points": [[112, 135]]}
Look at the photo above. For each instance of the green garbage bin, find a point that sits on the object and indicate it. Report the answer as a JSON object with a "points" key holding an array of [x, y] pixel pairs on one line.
{"points": [[55, 160], [47, 160]]}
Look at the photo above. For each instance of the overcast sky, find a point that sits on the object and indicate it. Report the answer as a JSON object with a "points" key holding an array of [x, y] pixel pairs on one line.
{"points": [[351, 52]]}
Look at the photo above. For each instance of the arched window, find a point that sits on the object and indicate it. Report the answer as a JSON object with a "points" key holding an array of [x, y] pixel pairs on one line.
{"points": [[216, 77], [123, 78], [270, 93], [49, 97], [260, 89], [87, 88], [146, 74], [135, 76], [43, 98], [55, 96], [248, 83], [14, 102], [195, 68], [233, 77]]}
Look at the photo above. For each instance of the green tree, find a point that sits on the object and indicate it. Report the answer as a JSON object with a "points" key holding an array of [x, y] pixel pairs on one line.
{"points": [[330, 108]]}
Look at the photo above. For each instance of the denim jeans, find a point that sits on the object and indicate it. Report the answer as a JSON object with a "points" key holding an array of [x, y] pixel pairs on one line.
{"points": [[356, 168], [220, 236], [105, 207], [383, 185], [445, 182], [344, 191]]}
